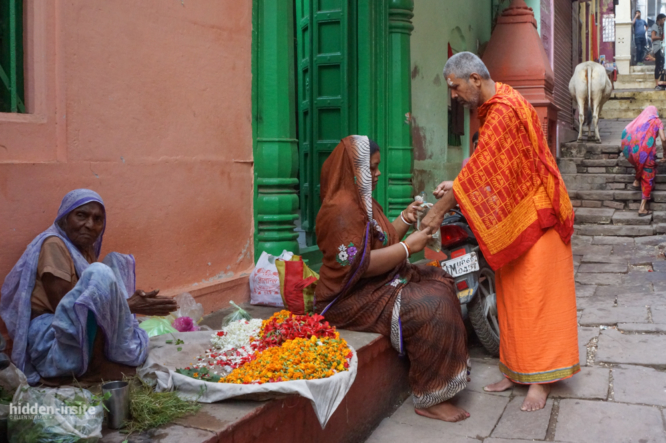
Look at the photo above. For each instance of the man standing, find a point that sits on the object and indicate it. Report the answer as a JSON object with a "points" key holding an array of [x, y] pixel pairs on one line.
{"points": [[640, 27], [515, 201], [657, 36]]}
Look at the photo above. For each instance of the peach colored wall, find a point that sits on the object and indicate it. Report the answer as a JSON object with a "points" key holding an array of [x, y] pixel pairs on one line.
{"points": [[149, 104]]}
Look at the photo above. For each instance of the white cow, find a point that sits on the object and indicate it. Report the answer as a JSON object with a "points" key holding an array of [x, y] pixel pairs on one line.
{"points": [[590, 87]]}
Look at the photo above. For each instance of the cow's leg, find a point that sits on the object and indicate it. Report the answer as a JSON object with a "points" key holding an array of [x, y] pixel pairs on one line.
{"points": [[595, 121], [581, 117]]}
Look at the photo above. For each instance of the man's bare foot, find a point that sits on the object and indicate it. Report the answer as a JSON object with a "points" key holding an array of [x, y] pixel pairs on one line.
{"points": [[500, 386], [536, 397], [444, 411]]}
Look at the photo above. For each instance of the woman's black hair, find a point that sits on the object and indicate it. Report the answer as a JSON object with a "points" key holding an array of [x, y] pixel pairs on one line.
{"points": [[374, 147], [475, 137]]}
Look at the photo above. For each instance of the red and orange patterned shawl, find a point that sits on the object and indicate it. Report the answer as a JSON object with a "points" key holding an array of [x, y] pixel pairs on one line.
{"points": [[511, 190]]}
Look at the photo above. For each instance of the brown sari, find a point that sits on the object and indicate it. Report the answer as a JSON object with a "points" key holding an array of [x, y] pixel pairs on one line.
{"points": [[415, 306]]}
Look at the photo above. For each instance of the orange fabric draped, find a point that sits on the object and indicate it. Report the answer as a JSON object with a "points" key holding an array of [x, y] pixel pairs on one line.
{"points": [[511, 190], [536, 309]]}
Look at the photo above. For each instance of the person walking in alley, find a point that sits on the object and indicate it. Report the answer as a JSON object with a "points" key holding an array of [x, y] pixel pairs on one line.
{"points": [[639, 146], [517, 205], [640, 26], [657, 36]]}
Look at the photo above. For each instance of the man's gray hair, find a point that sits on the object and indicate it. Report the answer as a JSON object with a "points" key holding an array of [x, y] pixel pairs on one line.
{"points": [[464, 64]]}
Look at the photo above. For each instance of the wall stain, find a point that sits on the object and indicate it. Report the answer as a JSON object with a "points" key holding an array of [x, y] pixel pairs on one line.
{"points": [[415, 71], [437, 81], [419, 141]]}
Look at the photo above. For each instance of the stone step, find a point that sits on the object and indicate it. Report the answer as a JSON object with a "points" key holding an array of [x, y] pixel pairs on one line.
{"points": [[630, 218], [614, 230], [594, 215], [606, 182]]}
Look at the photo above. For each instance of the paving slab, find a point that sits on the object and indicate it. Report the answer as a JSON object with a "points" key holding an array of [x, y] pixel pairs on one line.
{"points": [[642, 327], [593, 258], [652, 299], [595, 316], [483, 373], [595, 302], [658, 314], [619, 268], [637, 278], [599, 279], [585, 290], [615, 347], [585, 421], [591, 383], [594, 215], [485, 411], [613, 241], [630, 218], [638, 384], [618, 290], [167, 434], [513, 423], [510, 440], [578, 241], [584, 337], [659, 265], [652, 240], [390, 431], [617, 230]]}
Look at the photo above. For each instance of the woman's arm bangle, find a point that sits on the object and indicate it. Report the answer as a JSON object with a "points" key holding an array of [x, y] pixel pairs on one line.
{"points": [[407, 250], [403, 219]]}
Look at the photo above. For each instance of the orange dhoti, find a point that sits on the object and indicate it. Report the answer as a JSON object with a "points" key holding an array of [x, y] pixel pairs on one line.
{"points": [[536, 306]]}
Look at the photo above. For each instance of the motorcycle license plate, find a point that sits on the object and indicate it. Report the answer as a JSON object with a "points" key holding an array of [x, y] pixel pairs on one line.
{"points": [[462, 265]]}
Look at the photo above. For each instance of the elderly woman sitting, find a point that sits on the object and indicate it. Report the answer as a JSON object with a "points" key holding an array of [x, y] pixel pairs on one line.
{"points": [[68, 315]]}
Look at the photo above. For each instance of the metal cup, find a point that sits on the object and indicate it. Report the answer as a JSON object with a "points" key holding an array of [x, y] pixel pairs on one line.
{"points": [[118, 404]]}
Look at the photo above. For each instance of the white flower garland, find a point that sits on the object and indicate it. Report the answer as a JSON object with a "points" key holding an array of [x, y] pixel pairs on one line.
{"points": [[231, 348]]}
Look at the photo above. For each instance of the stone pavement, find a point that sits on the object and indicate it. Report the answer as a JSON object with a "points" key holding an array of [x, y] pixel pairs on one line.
{"points": [[620, 393]]}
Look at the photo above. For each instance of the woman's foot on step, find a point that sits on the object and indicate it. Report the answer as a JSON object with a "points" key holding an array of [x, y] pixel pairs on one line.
{"points": [[444, 411], [500, 386]]}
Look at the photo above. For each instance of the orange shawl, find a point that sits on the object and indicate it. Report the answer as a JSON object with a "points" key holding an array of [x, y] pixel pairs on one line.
{"points": [[511, 190]]}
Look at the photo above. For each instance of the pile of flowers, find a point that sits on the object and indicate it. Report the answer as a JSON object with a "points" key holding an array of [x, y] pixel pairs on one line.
{"points": [[285, 347]]}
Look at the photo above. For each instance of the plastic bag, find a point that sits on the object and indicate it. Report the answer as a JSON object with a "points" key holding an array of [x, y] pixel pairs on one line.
{"points": [[187, 307], [158, 326], [11, 378], [238, 314], [435, 243], [64, 415], [265, 282]]}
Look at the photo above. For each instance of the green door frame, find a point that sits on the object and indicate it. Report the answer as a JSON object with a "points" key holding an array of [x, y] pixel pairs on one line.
{"points": [[379, 43]]}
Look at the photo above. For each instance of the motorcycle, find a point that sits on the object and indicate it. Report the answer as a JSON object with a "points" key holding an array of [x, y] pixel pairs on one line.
{"points": [[474, 279]]}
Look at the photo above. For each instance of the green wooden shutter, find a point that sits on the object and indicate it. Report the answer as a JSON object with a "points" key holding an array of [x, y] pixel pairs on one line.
{"points": [[11, 56], [323, 54]]}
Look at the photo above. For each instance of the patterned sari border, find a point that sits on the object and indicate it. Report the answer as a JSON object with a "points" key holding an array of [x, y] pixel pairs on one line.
{"points": [[540, 377]]}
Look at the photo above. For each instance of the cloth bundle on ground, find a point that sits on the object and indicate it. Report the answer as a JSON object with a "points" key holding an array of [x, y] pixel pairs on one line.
{"points": [[60, 344]]}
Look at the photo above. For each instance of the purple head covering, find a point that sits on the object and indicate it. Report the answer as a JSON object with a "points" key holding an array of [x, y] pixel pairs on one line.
{"points": [[15, 303]]}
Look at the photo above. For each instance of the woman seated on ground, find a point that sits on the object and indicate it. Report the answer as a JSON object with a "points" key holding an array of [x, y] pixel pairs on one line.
{"points": [[639, 146], [69, 316], [367, 284]]}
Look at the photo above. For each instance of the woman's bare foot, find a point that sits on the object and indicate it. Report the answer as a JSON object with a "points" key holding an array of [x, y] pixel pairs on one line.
{"points": [[444, 411], [536, 397], [500, 386]]}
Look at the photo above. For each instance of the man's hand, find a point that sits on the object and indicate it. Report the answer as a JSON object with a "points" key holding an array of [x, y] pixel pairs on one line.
{"points": [[442, 189], [437, 213], [151, 304]]}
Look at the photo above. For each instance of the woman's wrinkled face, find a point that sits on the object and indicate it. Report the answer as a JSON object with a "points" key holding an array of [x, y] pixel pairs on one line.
{"points": [[84, 225], [375, 159]]}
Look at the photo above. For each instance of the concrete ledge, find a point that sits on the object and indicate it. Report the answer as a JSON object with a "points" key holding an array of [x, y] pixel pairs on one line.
{"points": [[380, 387]]}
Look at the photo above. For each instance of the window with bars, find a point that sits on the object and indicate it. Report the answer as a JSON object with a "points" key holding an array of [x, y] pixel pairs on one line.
{"points": [[11, 56], [609, 28]]}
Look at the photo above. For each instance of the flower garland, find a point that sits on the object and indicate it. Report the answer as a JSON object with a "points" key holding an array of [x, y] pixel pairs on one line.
{"points": [[284, 347]]}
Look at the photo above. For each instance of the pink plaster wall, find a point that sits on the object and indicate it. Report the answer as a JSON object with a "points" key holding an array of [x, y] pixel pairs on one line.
{"points": [[149, 104]]}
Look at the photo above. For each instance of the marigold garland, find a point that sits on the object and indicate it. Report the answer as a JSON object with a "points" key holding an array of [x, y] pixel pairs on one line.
{"points": [[289, 347]]}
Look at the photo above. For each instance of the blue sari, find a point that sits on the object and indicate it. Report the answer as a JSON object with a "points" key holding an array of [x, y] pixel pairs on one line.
{"points": [[59, 344]]}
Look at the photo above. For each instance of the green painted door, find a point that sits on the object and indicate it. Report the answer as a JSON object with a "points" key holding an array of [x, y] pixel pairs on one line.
{"points": [[324, 100]]}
